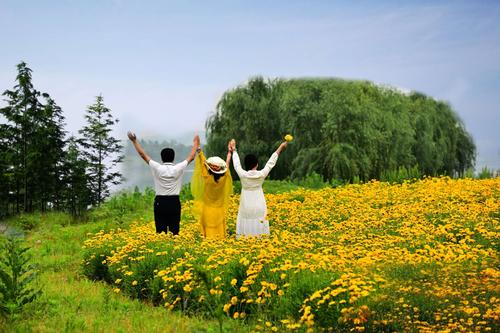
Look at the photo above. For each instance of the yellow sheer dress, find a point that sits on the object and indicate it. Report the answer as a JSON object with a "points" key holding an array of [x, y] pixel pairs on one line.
{"points": [[211, 198]]}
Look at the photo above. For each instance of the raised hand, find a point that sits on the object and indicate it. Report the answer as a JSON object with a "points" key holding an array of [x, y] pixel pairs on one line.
{"points": [[196, 141], [138, 147], [281, 147], [232, 145], [132, 136]]}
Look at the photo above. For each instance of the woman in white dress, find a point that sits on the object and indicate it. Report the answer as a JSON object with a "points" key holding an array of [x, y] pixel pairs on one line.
{"points": [[252, 213]]}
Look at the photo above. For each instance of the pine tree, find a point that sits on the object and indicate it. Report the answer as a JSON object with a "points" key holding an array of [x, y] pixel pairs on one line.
{"points": [[102, 151], [20, 113], [50, 138], [76, 190], [34, 133], [5, 171]]}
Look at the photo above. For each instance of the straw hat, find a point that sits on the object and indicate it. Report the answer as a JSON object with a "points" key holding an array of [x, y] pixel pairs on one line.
{"points": [[217, 162]]}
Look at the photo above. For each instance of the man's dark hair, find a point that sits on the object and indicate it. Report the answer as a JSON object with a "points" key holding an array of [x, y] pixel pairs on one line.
{"points": [[251, 161], [167, 155]]}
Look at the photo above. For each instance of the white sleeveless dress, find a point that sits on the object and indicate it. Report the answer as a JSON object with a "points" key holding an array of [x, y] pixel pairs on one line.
{"points": [[252, 212]]}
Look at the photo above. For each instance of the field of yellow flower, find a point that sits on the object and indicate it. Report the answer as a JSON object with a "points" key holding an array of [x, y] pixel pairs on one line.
{"points": [[413, 257]]}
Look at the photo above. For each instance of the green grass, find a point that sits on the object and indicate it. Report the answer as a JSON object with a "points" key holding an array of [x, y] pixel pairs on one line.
{"points": [[72, 303]]}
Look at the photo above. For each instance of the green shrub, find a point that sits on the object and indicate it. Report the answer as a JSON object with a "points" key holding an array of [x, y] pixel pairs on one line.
{"points": [[125, 206], [469, 173], [270, 186], [279, 186], [400, 174], [16, 277], [312, 180], [485, 173], [186, 194], [96, 268]]}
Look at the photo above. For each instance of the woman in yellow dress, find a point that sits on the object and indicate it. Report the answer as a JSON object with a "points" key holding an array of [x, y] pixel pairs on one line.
{"points": [[211, 187]]}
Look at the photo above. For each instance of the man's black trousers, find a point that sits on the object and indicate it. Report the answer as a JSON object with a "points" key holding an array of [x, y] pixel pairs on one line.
{"points": [[167, 209]]}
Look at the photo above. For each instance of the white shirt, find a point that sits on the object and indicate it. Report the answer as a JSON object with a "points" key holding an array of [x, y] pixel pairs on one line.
{"points": [[253, 179], [167, 177]]}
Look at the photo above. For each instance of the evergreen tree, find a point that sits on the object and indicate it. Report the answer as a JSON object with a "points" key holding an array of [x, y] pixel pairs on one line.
{"points": [[50, 138], [5, 171], [21, 115], [76, 191], [101, 151], [34, 133]]}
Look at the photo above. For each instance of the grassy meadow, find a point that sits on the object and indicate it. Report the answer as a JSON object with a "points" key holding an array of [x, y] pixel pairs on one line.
{"points": [[71, 302], [419, 256]]}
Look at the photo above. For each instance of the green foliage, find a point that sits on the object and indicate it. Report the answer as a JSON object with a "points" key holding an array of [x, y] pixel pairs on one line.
{"points": [[343, 129], [272, 186], [101, 151], [186, 194], [214, 301], [120, 209], [469, 173], [485, 173], [31, 146], [76, 190], [277, 186], [16, 277], [301, 284], [38, 220], [312, 181], [400, 175], [27, 222], [124, 207]]}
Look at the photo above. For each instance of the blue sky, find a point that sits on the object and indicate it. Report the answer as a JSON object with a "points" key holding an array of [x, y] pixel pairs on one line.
{"points": [[162, 65]]}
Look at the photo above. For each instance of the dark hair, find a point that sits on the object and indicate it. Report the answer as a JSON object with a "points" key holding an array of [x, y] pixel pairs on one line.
{"points": [[251, 161], [167, 155], [217, 176]]}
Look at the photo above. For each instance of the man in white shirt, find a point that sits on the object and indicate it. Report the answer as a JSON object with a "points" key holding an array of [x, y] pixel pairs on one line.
{"points": [[167, 178]]}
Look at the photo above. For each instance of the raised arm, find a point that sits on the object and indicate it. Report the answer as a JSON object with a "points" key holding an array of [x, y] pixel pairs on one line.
{"points": [[138, 147], [194, 149], [273, 159], [236, 159], [229, 152], [200, 161]]}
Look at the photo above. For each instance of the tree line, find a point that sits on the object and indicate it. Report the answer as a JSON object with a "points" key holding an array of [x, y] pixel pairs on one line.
{"points": [[344, 129], [43, 167]]}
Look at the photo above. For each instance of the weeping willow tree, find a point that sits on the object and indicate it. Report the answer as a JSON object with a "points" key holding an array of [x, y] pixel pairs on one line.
{"points": [[343, 129]]}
